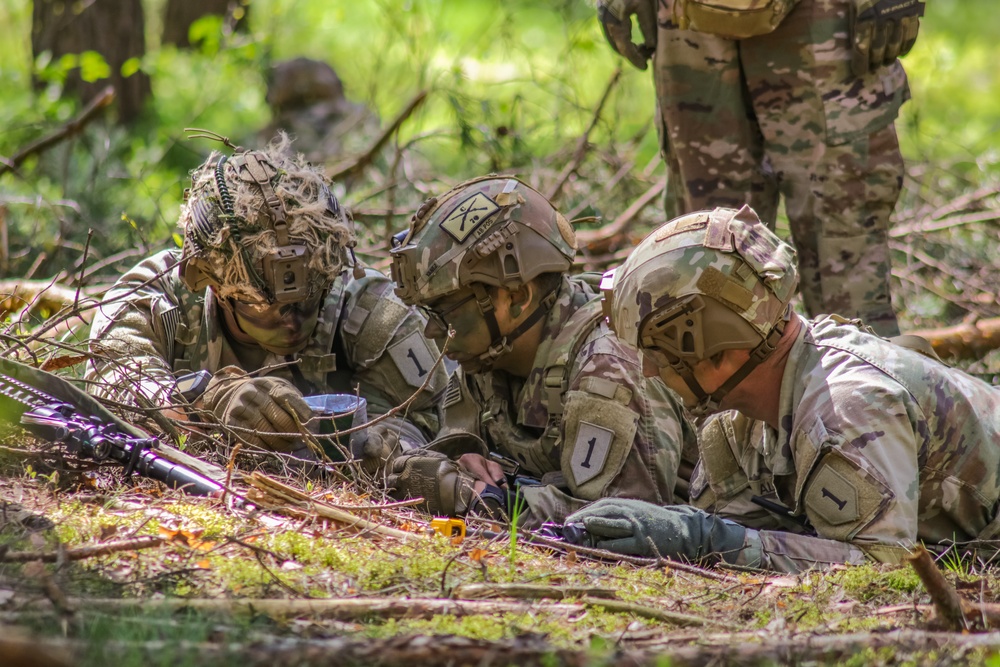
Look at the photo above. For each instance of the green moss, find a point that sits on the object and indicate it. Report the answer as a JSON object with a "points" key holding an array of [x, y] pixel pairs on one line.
{"points": [[869, 581]]}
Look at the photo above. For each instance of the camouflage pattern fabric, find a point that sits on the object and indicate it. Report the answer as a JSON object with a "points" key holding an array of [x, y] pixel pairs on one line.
{"points": [[879, 447], [150, 327], [744, 122], [593, 428]]}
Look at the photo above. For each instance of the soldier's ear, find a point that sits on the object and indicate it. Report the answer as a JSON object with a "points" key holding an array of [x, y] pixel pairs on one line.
{"points": [[521, 297]]}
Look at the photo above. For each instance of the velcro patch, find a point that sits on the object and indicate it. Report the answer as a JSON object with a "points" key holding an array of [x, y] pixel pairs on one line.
{"points": [[833, 497], [412, 358], [468, 216], [590, 451], [453, 394]]}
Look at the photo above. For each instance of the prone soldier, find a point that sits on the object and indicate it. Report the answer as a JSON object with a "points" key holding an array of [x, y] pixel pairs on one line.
{"points": [[261, 297], [543, 382], [855, 446]]}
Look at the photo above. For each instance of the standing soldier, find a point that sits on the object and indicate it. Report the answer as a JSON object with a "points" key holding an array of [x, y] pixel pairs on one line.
{"points": [[795, 98], [261, 298], [860, 448], [543, 381]]}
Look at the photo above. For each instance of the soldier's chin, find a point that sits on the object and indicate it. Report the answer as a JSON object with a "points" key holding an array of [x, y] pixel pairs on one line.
{"points": [[471, 365]]}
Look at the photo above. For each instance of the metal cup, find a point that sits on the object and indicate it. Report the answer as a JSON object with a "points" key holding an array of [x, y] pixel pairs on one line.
{"points": [[333, 414]]}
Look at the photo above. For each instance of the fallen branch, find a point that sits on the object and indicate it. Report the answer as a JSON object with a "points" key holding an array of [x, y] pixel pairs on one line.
{"points": [[358, 609], [528, 591], [83, 553], [946, 600], [15, 295], [346, 171], [284, 493], [584, 141], [964, 341], [101, 101], [603, 239], [535, 651]]}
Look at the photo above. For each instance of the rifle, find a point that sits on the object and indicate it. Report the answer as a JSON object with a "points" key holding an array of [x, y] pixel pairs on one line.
{"points": [[87, 429]]}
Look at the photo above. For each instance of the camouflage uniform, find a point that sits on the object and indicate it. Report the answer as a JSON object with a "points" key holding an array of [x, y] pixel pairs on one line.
{"points": [[742, 121], [873, 447], [879, 447], [364, 337], [582, 418], [585, 388]]}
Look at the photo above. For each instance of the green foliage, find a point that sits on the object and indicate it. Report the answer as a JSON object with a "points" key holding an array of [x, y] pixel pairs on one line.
{"points": [[512, 85]]}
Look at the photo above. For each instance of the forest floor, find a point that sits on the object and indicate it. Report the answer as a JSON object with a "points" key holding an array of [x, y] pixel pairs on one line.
{"points": [[94, 572]]}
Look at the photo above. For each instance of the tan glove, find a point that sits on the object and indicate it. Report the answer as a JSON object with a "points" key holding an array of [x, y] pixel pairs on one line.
{"points": [[259, 409], [881, 31], [615, 17], [446, 490]]}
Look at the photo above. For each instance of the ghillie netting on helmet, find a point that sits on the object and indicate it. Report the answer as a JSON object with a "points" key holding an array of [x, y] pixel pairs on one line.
{"points": [[231, 247]]}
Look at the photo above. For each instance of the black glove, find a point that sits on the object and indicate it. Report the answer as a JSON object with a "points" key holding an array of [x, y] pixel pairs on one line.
{"points": [[445, 488], [638, 528], [615, 17], [881, 31]]}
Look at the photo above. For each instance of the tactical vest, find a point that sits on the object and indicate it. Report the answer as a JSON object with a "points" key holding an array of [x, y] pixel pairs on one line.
{"points": [[538, 453]]}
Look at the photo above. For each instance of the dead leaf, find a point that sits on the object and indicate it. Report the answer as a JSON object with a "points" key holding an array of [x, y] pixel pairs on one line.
{"points": [[478, 554], [108, 531], [65, 361]]}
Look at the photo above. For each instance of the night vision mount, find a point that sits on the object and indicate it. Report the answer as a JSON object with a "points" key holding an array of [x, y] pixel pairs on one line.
{"points": [[285, 278]]}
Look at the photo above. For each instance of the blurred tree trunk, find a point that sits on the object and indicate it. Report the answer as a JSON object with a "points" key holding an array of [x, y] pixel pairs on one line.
{"points": [[113, 28], [180, 14]]}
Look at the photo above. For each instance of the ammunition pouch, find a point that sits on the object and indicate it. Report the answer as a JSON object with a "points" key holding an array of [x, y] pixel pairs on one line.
{"points": [[732, 19]]}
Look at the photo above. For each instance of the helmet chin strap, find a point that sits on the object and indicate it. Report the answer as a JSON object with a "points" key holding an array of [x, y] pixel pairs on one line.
{"points": [[710, 403], [502, 345]]}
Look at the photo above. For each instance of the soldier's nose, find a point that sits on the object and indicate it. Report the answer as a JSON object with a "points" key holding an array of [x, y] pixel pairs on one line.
{"points": [[434, 330]]}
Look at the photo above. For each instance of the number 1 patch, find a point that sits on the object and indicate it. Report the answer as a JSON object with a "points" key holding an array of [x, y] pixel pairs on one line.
{"points": [[590, 451], [412, 359]]}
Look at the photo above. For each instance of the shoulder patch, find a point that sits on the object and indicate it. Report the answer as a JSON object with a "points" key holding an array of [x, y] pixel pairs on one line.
{"points": [[590, 451], [468, 216], [833, 497], [840, 498], [412, 358]]}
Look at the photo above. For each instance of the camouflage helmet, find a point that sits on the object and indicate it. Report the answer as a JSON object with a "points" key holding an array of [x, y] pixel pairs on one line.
{"points": [[263, 227], [700, 284], [494, 230]]}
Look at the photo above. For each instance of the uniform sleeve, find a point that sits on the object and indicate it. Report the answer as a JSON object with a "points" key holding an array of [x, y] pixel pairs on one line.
{"points": [[131, 338], [391, 358], [781, 551], [864, 487], [622, 433]]}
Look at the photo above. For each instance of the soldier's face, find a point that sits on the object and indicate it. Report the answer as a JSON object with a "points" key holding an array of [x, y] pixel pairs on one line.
{"points": [[282, 328], [460, 312]]}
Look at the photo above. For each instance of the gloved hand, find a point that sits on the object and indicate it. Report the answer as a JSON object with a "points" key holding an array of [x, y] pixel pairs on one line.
{"points": [[615, 17], [881, 31], [446, 490], [261, 408], [639, 528], [381, 447]]}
